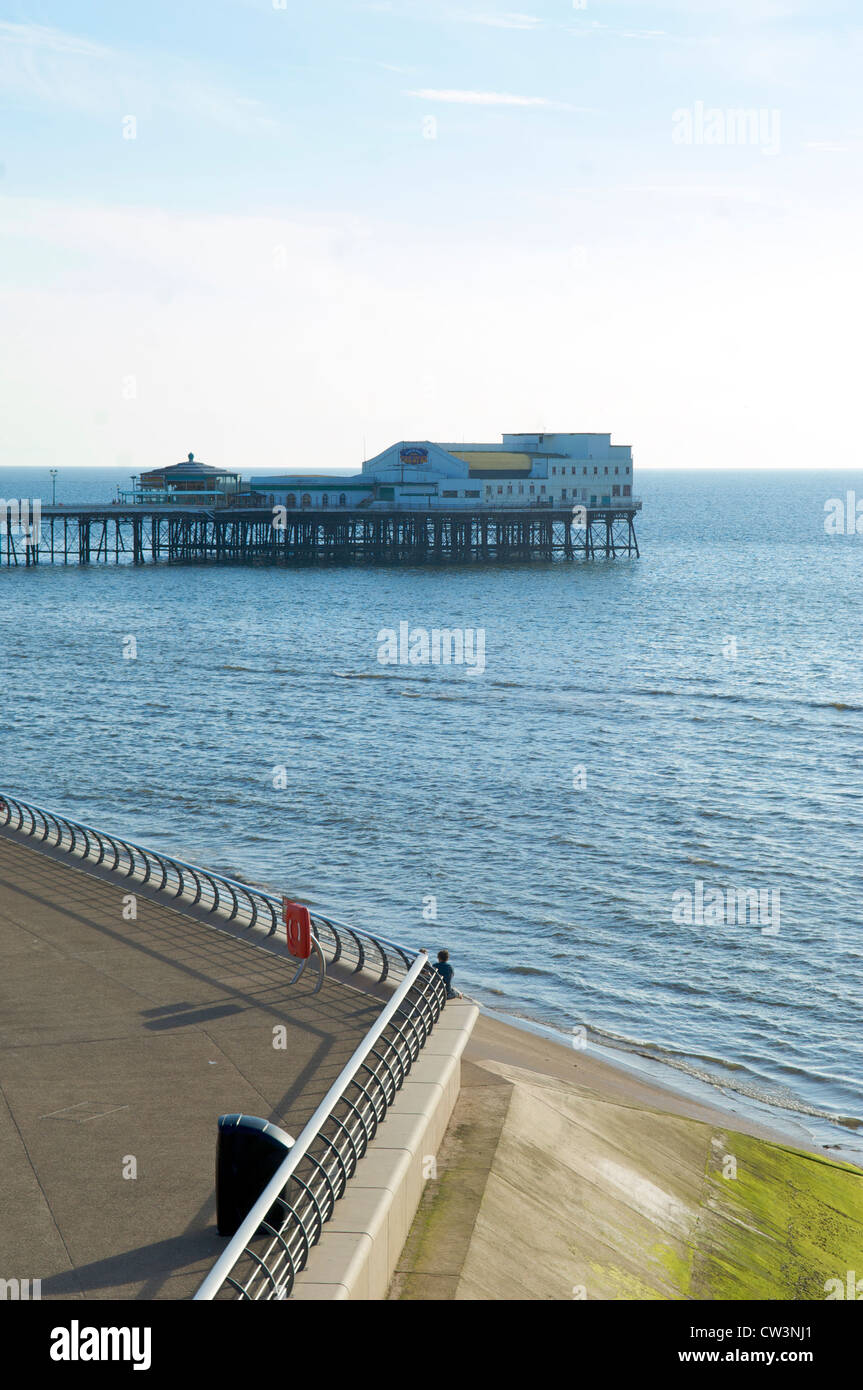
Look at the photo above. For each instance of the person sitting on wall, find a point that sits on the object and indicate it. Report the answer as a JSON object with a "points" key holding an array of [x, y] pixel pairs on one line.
{"points": [[445, 970]]}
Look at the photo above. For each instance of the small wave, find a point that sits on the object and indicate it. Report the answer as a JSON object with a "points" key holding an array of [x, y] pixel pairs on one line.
{"points": [[362, 675], [736, 698], [777, 1097], [420, 695], [835, 704]]}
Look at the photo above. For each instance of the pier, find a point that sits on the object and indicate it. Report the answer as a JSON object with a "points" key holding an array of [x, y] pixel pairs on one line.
{"points": [[137, 535]]}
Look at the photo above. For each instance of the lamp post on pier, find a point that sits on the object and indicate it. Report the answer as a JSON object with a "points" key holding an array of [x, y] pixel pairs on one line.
{"points": [[53, 472]]}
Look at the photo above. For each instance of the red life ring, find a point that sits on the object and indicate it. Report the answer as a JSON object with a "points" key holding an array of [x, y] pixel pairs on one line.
{"points": [[298, 925]]}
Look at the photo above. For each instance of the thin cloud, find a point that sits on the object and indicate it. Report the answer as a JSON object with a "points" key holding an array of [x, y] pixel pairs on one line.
{"points": [[501, 21], [471, 98], [832, 146], [46, 65], [42, 36]]}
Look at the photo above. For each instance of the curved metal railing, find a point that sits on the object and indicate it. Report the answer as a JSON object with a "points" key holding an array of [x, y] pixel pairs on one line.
{"points": [[262, 1260], [237, 902]]}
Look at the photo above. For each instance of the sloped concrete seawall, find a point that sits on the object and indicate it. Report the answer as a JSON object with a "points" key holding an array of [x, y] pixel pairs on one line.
{"points": [[362, 1242], [551, 1190]]}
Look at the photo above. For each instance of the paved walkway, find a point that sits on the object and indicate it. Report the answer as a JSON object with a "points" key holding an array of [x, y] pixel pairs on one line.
{"points": [[125, 1040]]}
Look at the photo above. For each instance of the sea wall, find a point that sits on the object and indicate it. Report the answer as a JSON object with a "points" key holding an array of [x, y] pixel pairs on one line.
{"points": [[361, 1243], [587, 1198]]}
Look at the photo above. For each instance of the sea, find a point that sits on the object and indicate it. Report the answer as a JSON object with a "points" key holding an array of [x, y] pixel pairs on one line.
{"points": [[644, 736]]}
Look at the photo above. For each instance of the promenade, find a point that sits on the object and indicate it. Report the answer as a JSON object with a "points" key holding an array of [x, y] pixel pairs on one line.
{"points": [[121, 1042]]}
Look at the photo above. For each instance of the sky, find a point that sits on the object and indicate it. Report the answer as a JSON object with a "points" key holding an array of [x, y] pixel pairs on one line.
{"points": [[288, 233]]}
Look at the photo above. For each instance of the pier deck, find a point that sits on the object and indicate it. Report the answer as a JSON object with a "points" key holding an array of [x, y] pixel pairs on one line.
{"points": [[125, 1040], [194, 535]]}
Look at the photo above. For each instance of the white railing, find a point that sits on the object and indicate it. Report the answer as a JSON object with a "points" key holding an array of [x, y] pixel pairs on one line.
{"points": [[266, 1253]]}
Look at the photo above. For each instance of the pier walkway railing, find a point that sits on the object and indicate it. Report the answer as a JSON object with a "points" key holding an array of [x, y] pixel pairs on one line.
{"points": [[241, 903]]}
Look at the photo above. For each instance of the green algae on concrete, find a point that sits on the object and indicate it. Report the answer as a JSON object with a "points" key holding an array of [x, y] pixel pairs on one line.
{"points": [[431, 1262], [786, 1224]]}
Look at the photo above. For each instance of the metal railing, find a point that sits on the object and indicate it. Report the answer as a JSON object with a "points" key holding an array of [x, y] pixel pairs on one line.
{"points": [[264, 1256], [262, 1260], [241, 903]]}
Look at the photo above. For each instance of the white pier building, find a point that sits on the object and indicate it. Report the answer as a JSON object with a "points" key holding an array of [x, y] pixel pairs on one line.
{"points": [[524, 470]]}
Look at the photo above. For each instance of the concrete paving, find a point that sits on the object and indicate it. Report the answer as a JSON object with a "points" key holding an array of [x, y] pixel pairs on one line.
{"points": [[121, 1042]]}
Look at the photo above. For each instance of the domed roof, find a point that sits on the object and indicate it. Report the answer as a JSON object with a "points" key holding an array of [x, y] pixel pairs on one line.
{"points": [[193, 468]]}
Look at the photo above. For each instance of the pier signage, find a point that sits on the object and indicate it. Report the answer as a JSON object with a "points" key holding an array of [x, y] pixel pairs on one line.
{"points": [[298, 925], [416, 456]]}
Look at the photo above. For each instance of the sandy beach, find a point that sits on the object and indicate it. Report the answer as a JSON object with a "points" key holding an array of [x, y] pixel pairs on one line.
{"points": [[500, 1041]]}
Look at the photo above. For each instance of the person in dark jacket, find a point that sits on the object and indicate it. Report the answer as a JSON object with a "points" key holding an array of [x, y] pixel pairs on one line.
{"points": [[443, 967]]}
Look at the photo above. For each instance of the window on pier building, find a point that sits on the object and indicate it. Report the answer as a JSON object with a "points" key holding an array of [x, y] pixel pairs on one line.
{"points": [[542, 487], [563, 492], [325, 500], [343, 500], [291, 499], [595, 470], [606, 472], [616, 471], [554, 472], [500, 492], [488, 490], [307, 501], [520, 489], [532, 489], [615, 491], [627, 490], [509, 490]]}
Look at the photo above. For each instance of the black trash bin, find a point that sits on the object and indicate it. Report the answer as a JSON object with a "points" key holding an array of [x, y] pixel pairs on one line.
{"points": [[248, 1152]]}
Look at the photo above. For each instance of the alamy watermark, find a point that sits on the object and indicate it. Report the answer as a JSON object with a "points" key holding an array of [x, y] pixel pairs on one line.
{"points": [[756, 127], [717, 907], [21, 516], [20, 1289], [442, 646], [77, 1343], [850, 1287], [844, 516]]}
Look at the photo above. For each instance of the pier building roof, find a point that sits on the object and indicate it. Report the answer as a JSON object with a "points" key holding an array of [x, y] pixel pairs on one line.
{"points": [[188, 468]]}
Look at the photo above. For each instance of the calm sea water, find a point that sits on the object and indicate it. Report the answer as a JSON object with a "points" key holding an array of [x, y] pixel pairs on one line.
{"points": [[410, 782]]}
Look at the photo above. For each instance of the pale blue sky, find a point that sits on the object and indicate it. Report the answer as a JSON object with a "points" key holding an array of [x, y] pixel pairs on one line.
{"points": [[341, 223]]}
